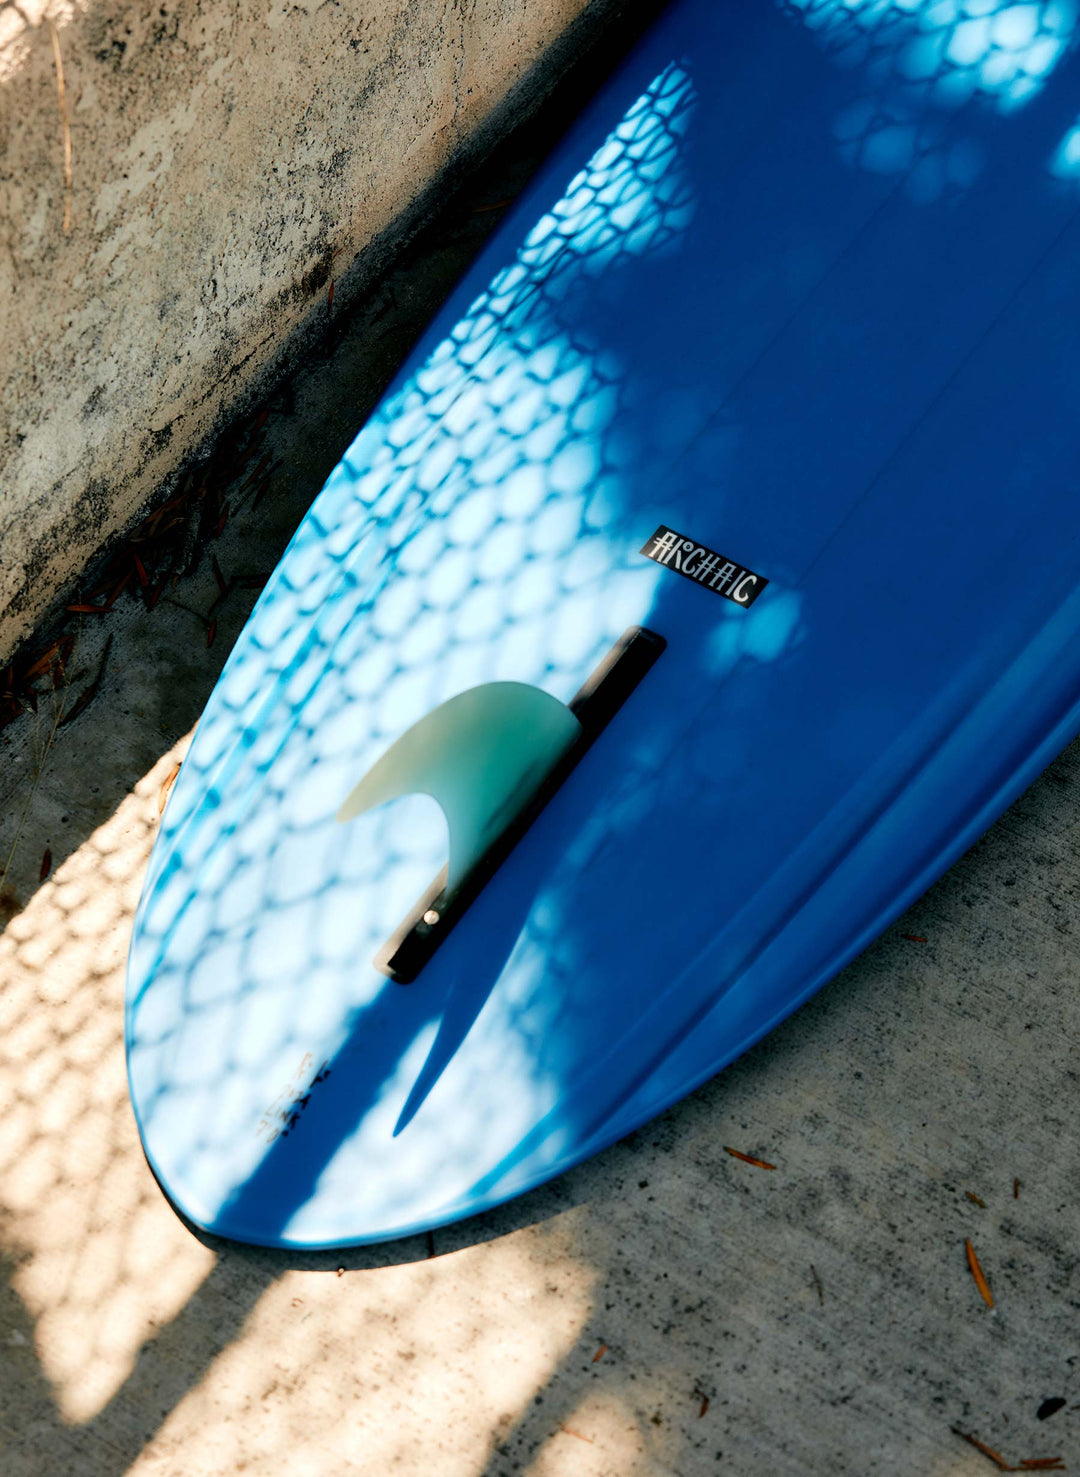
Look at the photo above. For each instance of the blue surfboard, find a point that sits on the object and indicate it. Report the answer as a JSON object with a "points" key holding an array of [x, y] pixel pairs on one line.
{"points": [[707, 581]]}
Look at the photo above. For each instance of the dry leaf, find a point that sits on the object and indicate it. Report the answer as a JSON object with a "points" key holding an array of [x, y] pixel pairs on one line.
{"points": [[495, 205], [569, 1430], [979, 1276], [88, 693], [987, 1451], [817, 1284], [166, 786], [116, 591], [42, 665], [749, 1159]]}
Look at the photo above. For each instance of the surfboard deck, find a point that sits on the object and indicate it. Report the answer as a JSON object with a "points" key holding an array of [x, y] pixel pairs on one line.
{"points": [[777, 358]]}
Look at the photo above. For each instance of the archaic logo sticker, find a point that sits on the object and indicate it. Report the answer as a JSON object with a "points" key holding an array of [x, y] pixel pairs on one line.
{"points": [[704, 566]]}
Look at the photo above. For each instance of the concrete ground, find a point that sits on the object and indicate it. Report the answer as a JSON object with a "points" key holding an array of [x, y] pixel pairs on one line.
{"points": [[666, 1309]]}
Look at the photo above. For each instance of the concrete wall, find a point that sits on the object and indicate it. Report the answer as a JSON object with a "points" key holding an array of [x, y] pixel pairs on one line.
{"points": [[229, 159]]}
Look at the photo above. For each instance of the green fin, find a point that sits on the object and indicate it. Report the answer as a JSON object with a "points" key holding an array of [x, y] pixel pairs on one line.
{"points": [[482, 755]]}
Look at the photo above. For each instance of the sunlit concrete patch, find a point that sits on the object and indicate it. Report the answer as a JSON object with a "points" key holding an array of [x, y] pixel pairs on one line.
{"points": [[412, 1369], [604, 1434], [22, 26], [101, 1261]]}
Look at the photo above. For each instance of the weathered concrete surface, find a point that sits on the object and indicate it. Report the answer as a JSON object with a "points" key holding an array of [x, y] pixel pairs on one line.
{"points": [[229, 160], [823, 1309]]}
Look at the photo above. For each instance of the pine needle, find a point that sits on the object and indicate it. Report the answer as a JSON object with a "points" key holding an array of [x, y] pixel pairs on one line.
{"points": [[979, 1276], [65, 127], [749, 1159]]}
